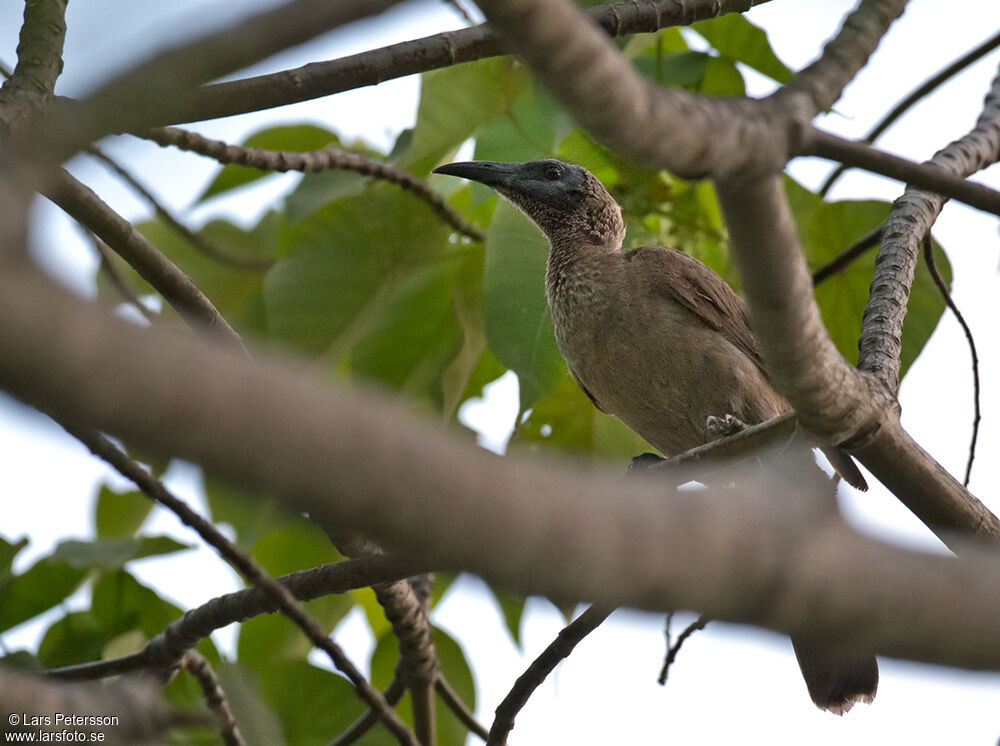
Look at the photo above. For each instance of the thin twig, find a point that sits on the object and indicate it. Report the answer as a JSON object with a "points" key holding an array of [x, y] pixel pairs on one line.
{"points": [[926, 176], [311, 162], [393, 693], [460, 9], [924, 89], [526, 684], [943, 288], [208, 248], [178, 289], [674, 648], [844, 259], [198, 666], [454, 702], [249, 568], [108, 265], [165, 649]]}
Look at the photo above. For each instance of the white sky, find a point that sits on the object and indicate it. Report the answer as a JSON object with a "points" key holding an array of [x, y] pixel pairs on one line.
{"points": [[730, 683]]}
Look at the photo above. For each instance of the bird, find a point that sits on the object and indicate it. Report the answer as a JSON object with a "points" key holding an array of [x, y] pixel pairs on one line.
{"points": [[658, 339]]}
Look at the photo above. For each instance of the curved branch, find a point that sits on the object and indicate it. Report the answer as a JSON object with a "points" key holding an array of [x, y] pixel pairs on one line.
{"points": [[198, 666], [911, 218], [169, 646], [921, 91], [454, 703], [250, 569], [353, 459], [208, 248], [393, 693], [311, 162], [83, 205], [946, 294], [39, 63], [557, 651], [673, 648], [319, 79], [916, 175]]}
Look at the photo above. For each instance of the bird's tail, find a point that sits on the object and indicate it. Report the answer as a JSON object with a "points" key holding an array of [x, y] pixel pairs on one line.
{"points": [[844, 465], [836, 680]]}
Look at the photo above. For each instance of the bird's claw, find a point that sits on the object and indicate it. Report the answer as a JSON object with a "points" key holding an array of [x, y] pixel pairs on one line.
{"points": [[720, 427], [643, 462]]}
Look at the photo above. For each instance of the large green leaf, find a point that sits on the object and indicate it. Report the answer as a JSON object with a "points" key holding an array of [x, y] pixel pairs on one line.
{"points": [[300, 138], [527, 131], [312, 704], [567, 420], [417, 335], [8, 551], [258, 722], [826, 229], [518, 325], [120, 514], [454, 101], [249, 516], [343, 264], [234, 291], [113, 553], [40, 587], [294, 546], [736, 38], [456, 669]]}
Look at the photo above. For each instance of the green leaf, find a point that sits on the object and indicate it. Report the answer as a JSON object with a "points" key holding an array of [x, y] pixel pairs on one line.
{"points": [[736, 38], [456, 669], [76, 638], [512, 608], [456, 100], [112, 554], [319, 189], [526, 132], [120, 514], [258, 722], [826, 229], [300, 138], [567, 421], [8, 551], [234, 291], [721, 78], [467, 299], [312, 704], [40, 587], [518, 325], [417, 335], [298, 545], [250, 516], [120, 604], [343, 264], [685, 69]]}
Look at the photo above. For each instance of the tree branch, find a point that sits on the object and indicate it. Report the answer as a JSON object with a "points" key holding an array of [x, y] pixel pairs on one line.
{"points": [[393, 693], [311, 162], [168, 647], [142, 718], [39, 63], [241, 261], [198, 666], [83, 205], [943, 289], [911, 218], [557, 651], [249, 568], [844, 259], [319, 79], [354, 459], [921, 176]]}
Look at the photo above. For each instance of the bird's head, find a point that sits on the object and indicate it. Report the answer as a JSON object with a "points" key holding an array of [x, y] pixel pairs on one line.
{"points": [[564, 200]]}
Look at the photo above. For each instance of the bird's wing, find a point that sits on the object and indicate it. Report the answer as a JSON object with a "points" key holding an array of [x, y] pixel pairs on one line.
{"points": [[699, 289]]}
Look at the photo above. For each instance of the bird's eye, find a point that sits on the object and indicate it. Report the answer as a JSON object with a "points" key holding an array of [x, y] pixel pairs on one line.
{"points": [[553, 173]]}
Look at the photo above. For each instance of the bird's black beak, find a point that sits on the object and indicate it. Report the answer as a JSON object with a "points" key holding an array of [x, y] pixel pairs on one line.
{"points": [[490, 173]]}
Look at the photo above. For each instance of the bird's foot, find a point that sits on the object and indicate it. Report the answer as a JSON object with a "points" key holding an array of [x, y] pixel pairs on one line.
{"points": [[643, 462], [720, 427]]}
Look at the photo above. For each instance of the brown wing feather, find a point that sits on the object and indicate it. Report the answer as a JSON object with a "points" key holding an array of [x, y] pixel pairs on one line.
{"points": [[699, 289]]}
